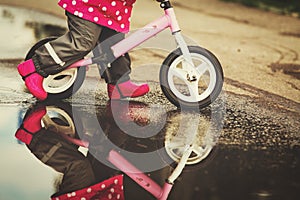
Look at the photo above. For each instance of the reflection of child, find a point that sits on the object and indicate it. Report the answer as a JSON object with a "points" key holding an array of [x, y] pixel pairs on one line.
{"points": [[89, 22], [79, 180]]}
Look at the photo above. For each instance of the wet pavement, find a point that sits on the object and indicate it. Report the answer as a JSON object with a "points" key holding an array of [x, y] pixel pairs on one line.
{"points": [[267, 167], [255, 141]]}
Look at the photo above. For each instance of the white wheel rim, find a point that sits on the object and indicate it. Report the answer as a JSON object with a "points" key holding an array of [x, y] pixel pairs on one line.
{"points": [[175, 150], [203, 68], [54, 112], [60, 82]]}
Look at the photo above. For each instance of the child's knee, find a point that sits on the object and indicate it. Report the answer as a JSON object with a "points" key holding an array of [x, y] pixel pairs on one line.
{"points": [[85, 44]]}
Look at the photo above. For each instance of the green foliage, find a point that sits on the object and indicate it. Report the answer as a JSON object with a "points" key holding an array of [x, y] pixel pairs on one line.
{"points": [[278, 6]]}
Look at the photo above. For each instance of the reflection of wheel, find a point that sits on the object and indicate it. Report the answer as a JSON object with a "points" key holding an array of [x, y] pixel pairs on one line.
{"points": [[187, 93], [188, 130], [63, 84], [176, 149], [61, 119]]}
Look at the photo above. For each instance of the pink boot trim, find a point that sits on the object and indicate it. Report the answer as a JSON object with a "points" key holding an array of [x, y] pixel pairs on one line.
{"points": [[127, 89], [26, 68], [33, 80], [30, 125]]}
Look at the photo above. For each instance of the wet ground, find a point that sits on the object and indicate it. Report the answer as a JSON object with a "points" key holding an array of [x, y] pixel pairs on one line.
{"points": [[256, 155], [255, 158]]}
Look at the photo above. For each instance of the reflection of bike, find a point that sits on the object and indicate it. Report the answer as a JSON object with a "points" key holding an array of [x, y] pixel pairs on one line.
{"points": [[182, 150], [190, 76], [189, 131]]}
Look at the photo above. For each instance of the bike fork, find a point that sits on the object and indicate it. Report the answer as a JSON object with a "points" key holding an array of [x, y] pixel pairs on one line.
{"points": [[188, 64]]}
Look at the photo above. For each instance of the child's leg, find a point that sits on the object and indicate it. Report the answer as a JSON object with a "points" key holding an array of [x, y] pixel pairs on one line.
{"points": [[80, 39], [58, 54], [120, 68], [117, 76]]}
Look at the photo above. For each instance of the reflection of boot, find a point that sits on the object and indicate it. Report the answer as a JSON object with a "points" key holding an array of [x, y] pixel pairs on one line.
{"points": [[33, 80], [126, 89], [129, 111], [30, 125]]}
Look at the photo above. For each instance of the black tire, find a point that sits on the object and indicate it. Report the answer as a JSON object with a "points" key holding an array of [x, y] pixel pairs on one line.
{"points": [[169, 92], [69, 90]]}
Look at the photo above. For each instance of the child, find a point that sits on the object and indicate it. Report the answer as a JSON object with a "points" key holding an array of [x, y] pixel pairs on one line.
{"points": [[89, 22]]}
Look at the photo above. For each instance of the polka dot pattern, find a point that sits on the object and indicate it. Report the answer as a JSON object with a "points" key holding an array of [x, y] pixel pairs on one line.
{"points": [[114, 14], [109, 189]]}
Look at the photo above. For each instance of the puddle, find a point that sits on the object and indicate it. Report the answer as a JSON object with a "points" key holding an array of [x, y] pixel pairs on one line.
{"points": [[132, 128], [233, 173], [297, 35], [286, 68], [228, 172], [21, 28], [18, 180]]}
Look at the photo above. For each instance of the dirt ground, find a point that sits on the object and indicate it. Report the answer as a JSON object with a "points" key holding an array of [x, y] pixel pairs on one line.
{"points": [[259, 51]]}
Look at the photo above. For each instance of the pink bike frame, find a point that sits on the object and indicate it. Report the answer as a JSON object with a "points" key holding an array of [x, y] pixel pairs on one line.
{"points": [[160, 193], [139, 177], [150, 30], [168, 20]]}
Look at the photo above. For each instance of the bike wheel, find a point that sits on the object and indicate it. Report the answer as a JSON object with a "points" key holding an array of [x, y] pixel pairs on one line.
{"points": [[191, 94], [65, 120], [63, 84]]}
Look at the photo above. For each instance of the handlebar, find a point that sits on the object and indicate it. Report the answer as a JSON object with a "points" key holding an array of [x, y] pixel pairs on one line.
{"points": [[160, 1], [165, 4]]}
